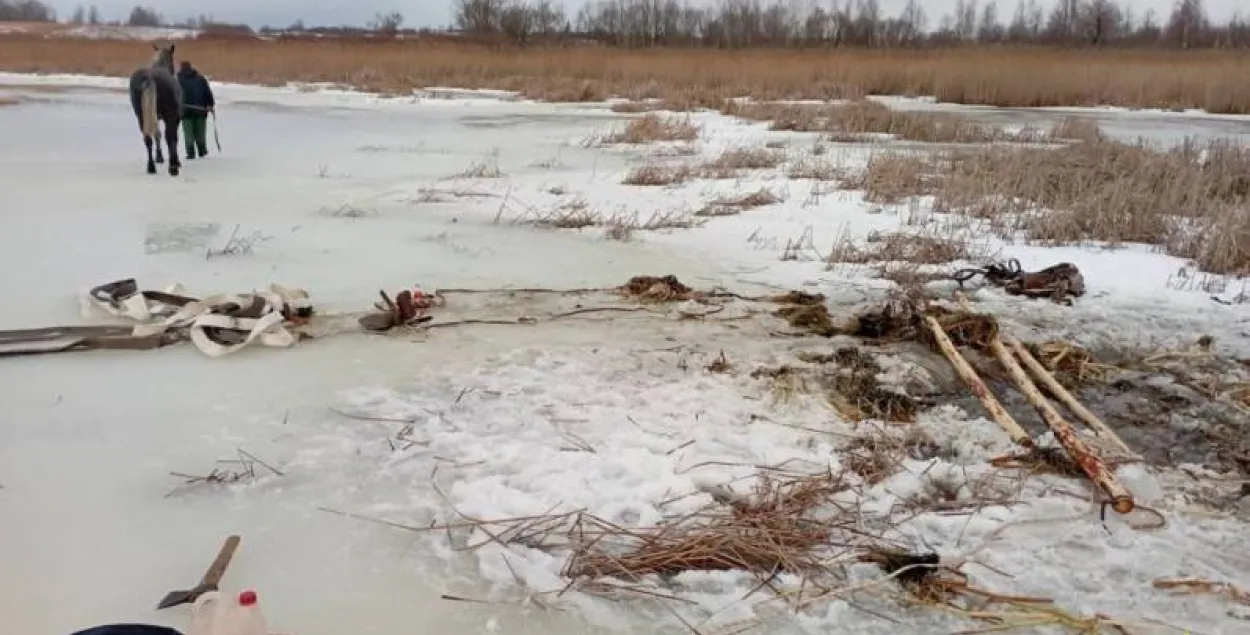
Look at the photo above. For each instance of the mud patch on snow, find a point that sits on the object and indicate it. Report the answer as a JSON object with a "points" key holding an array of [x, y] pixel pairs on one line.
{"points": [[1167, 416]]}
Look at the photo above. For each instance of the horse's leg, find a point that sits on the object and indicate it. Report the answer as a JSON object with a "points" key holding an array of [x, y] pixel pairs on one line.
{"points": [[147, 142], [171, 142], [160, 156]]}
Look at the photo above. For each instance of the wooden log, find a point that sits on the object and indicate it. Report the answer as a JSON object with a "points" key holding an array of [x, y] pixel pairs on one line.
{"points": [[970, 377], [1094, 468], [1040, 373]]}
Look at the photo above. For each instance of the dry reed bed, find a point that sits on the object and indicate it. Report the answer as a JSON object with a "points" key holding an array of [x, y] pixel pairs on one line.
{"points": [[862, 119], [1001, 76], [1193, 200]]}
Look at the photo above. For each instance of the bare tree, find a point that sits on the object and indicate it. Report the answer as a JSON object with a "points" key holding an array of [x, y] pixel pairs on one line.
{"points": [[143, 16], [1098, 21], [1187, 25], [840, 23], [516, 22], [989, 29], [26, 11], [387, 23], [478, 17], [965, 19]]}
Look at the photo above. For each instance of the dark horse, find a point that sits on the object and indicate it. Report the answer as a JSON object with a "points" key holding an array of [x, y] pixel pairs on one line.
{"points": [[155, 94]]}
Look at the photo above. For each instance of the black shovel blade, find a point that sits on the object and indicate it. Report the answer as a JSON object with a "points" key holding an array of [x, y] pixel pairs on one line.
{"points": [[174, 598]]}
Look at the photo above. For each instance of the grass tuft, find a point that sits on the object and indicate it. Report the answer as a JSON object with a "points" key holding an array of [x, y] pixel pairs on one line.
{"points": [[658, 175], [731, 205], [651, 128]]}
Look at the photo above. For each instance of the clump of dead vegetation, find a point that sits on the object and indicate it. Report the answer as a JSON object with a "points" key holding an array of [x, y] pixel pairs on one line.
{"points": [[806, 312], [666, 288], [1076, 129], [732, 162], [816, 169], [805, 525], [855, 120], [1192, 200], [891, 177], [920, 248], [731, 205], [864, 119], [781, 116], [656, 175], [877, 453], [670, 104], [853, 389], [651, 128], [485, 169], [1072, 365], [244, 467], [634, 107], [578, 214], [780, 527]]}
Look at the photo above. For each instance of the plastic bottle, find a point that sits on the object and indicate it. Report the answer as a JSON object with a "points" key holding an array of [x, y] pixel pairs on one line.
{"points": [[243, 618], [204, 614]]}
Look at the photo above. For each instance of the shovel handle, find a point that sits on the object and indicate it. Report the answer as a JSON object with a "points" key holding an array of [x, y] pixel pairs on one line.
{"points": [[216, 570]]}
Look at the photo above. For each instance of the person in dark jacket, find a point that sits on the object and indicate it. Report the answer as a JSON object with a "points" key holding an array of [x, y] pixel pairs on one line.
{"points": [[129, 629], [197, 103]]}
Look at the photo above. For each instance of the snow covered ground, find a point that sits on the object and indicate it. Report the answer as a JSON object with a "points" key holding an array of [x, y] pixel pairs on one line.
{"points": [[353, 193]]}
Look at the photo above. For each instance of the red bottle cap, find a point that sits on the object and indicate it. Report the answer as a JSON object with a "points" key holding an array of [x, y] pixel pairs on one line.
{"points": [[247, 598]]}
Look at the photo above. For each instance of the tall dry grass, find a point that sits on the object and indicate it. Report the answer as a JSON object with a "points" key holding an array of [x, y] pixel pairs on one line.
{"points": [[1212, 80], [651, 128], [1193, 200], [860, 119]]}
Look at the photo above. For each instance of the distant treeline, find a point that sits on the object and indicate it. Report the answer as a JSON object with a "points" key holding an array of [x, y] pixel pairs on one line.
{"points": [[850, 23], [736, 24]]}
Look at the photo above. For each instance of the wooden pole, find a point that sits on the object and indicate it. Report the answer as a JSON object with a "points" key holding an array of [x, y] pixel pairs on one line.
{"points": [[1094, 468], [966, 372], [1041, 374]]}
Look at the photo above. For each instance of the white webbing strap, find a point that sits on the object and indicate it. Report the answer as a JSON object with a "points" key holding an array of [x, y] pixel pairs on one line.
{"points": [[267, 330]]}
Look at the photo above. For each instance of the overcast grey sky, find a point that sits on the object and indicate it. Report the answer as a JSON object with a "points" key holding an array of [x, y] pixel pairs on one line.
{"points": [[436, 13]]}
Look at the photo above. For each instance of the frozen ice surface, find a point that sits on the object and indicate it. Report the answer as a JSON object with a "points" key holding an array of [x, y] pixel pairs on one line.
{"points": [[354, 193]]}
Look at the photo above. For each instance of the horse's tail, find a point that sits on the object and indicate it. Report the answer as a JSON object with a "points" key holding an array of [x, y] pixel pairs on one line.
{"points": [[147, 108]]}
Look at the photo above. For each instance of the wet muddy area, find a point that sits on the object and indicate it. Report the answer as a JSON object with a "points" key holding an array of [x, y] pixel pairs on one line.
{"points": [[1168, 416], [1173, 408]]}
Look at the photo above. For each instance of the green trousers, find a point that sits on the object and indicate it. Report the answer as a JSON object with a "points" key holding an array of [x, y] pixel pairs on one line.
{"points": [[195, 131]]}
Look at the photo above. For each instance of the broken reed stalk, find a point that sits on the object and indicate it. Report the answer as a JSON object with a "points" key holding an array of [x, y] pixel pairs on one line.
{"points": [[1040, 373], [1094, 468], [970, 377]]}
